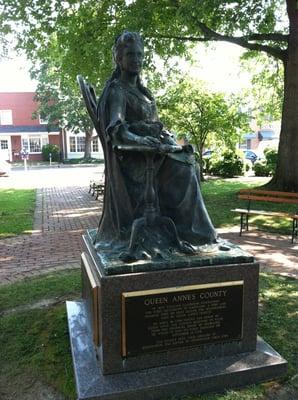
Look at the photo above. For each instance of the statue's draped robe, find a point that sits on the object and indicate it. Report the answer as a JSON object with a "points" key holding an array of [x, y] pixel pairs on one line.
{"points": [[176, 175]]}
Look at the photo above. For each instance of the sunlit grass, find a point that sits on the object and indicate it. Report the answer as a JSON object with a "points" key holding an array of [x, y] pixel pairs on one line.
{"points": [[16, 211], [220, 197]]}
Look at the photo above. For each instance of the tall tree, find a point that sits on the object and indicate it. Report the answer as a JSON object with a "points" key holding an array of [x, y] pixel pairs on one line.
{"points": [[85, 30], [61, 103], [266, 93], [196, 114], [258, 25]]}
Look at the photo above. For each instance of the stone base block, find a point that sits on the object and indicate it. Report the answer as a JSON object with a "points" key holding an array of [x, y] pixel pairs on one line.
{"points": [[154, 318], [211, 375]]}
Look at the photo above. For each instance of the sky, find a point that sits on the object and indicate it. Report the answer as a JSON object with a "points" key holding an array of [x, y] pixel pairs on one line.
{"points": [[15, 75], [217, 65]]}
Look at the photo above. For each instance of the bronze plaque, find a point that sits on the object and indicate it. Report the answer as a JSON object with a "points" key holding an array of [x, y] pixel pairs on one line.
{"points": [[91, 289], [187, 316]]}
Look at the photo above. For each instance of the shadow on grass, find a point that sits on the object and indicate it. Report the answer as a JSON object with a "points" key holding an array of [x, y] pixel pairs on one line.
{"points": [[225, 193], [37, 340]]}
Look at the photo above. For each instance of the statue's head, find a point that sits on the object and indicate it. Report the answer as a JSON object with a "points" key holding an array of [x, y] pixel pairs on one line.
{"points": [[128, 51]]}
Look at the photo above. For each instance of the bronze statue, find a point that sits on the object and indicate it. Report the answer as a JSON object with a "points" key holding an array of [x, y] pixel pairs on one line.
{"points": [[152, 204]]}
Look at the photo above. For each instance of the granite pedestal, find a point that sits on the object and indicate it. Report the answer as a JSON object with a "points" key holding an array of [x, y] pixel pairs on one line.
{"points": [[150, 330]]}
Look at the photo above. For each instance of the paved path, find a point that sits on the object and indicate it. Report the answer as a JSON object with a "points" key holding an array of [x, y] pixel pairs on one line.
{"points": [[62, 215], [274, 252], [65, 209]]}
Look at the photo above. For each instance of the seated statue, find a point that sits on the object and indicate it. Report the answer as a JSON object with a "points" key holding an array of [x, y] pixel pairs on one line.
{"points": [[127, 119]]}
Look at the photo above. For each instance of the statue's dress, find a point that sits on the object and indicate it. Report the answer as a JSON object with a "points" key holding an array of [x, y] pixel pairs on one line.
{"points": [[176, 175]]}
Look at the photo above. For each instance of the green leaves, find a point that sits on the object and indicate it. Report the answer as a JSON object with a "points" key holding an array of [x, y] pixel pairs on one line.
{"points": [[267, 86], [64, 39], [83, 32], [200, 115]]}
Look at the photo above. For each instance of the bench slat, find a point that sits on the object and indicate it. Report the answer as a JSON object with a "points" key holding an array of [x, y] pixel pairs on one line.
{"points": [[265, 213], [266, 198], [268, 192]]}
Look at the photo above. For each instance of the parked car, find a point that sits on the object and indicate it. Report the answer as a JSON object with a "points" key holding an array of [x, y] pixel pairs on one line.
{"points": [[251, 156], [207, 153], [4, 168]]}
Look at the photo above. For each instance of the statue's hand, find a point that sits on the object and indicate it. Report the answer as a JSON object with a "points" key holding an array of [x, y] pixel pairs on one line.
{"points": [[169, 148], [149, 141]]}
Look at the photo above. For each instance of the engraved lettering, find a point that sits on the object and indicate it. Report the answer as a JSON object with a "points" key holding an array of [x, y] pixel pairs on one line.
{"points": [[155, 300], [183, 297], [187, 318], [212, 294]]}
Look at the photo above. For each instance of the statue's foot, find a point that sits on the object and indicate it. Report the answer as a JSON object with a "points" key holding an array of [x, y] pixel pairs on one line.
{"points": [[186, 247], [127, 257]]}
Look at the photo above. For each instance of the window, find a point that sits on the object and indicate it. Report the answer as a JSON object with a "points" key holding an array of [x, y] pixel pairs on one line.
{"points": [[42, 120], [25, 145], [4, 144], [72, 144], [95, 145], [76, 144], [33, 144], [5, 117], [80, 144]]}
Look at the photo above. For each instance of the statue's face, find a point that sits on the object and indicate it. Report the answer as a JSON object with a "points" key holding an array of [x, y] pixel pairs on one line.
{"points": [[131, 60]]}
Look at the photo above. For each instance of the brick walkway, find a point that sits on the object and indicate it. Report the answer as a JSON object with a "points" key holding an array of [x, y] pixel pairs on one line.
{"points": [[62, 215], [275, 253]]}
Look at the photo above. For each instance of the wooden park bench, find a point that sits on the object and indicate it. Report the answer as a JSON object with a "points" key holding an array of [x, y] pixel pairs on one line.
{"points": [[96, 187], [253, 195]]}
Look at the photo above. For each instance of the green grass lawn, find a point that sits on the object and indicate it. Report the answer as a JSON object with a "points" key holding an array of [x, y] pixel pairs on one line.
{"points": [[221, 196], [16, 211], [17, 208], [37, 340]]}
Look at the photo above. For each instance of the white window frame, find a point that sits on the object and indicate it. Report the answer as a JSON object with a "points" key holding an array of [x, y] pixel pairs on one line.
{"points": [[1, 142], [42, 121], [76, 138], [81, 144], [72, 145], [5, 117], [95, 142], [26, 145]]}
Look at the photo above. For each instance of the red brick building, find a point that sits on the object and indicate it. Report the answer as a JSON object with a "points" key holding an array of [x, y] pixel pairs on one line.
{"points": [[20, 131]]}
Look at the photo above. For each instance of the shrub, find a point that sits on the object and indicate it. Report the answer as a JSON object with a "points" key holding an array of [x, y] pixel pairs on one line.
{"points": [[271, 159], [267, 167], [52, 149], [72, 161], [229, 164], [260, 168]]}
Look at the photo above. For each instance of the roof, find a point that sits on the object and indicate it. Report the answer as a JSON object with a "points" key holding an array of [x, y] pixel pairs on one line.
{"points": [[27, 128], [268, 134], [250, 135]]}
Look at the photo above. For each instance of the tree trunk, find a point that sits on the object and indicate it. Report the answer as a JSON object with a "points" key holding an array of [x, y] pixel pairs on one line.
{"points": [[88, 141], [286, 175], [201, 162]]}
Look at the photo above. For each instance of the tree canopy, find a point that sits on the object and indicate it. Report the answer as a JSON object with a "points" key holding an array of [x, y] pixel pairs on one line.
{"points": [[60, 103], [195, 114], [85, 30], [266, 92]]}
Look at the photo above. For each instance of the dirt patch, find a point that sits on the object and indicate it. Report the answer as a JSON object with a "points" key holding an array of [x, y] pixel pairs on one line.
{"points": [[25, 387], [43, 303]]}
